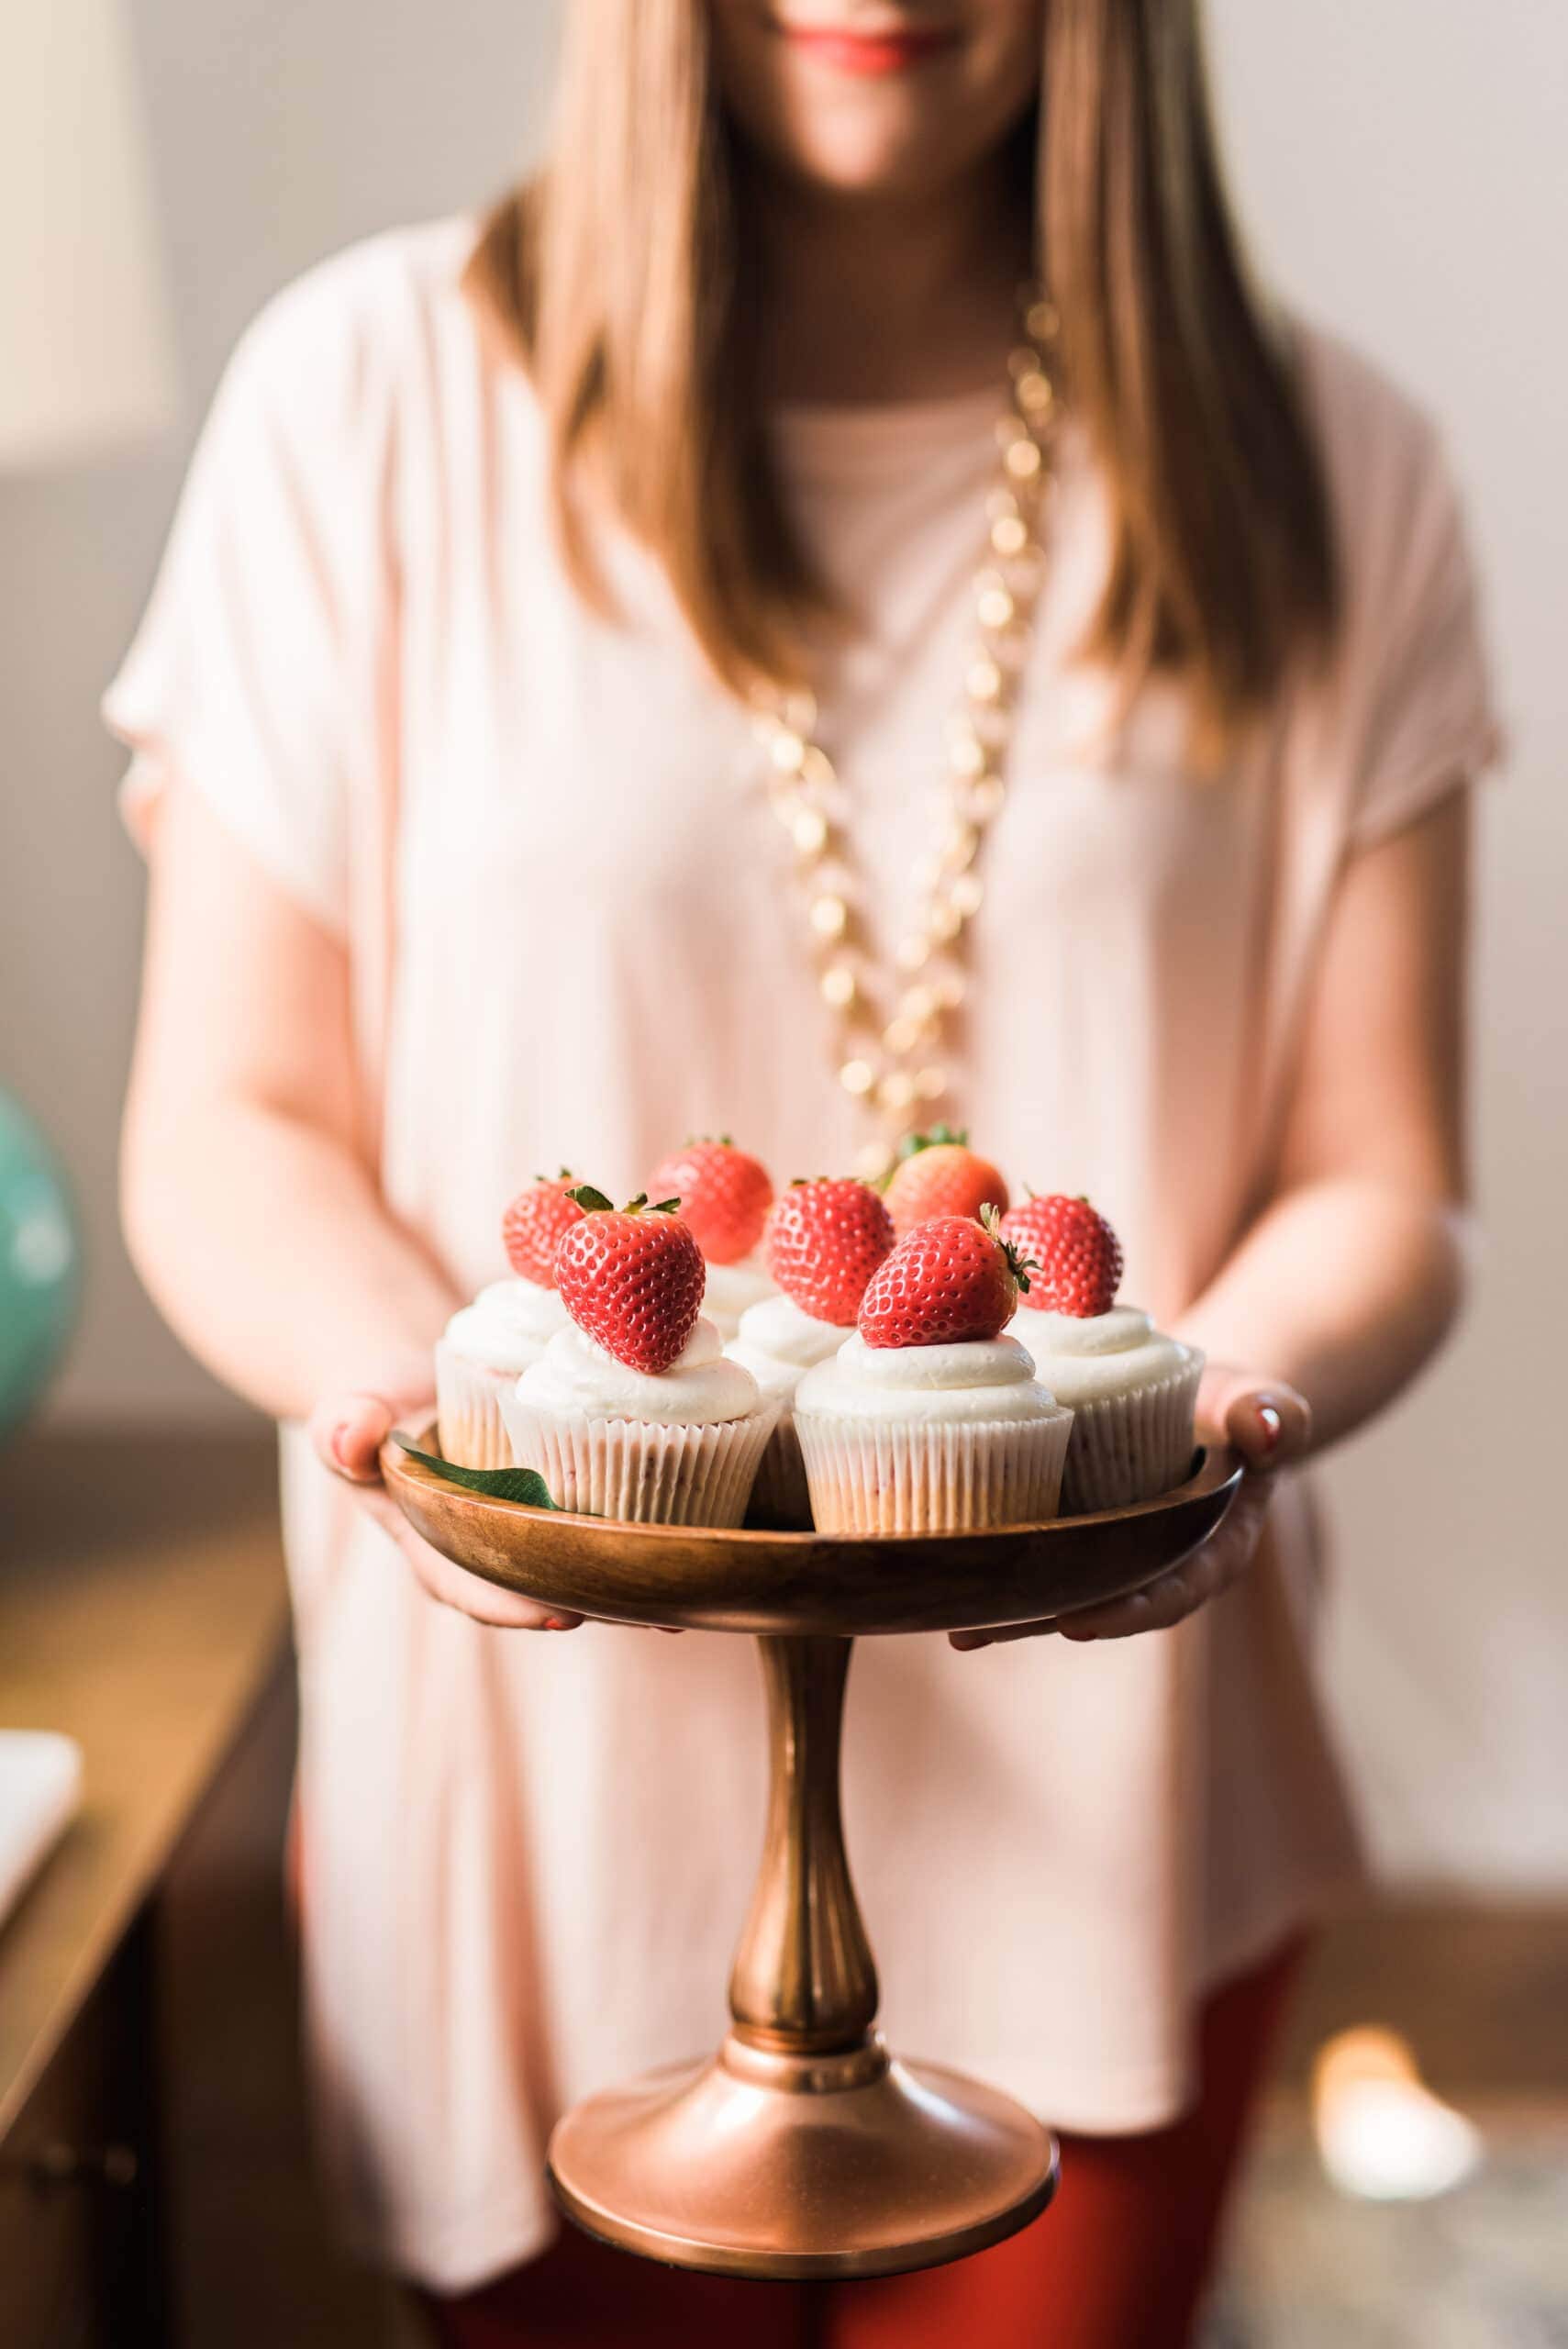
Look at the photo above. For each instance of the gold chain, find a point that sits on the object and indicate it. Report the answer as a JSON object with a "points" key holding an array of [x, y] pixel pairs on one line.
{"points": [[894, 1035]]}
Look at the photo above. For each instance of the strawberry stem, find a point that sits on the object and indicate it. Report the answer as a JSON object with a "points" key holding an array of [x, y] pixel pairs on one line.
{"points": [[1019, 1266], [940, 1137], [593, 1202]]}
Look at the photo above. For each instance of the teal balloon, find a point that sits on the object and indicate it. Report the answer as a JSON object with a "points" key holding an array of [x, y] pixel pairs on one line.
{"points": [[40, 1263]]}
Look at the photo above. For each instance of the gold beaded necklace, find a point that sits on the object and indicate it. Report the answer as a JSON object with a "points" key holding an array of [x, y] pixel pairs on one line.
{"points": [[891, 1032]]}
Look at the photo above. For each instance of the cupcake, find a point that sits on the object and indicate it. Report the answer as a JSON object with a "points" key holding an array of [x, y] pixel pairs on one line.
{"points": [[724, 1195], [487, 1345], [732, 1291], [479, 1357], [928, 1420], [1131, 1389], [633, 1411], [822, 1242]]}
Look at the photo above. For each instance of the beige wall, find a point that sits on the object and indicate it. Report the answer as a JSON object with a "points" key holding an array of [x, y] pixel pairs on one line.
{"points": [[280, 130], [1404, 172]]}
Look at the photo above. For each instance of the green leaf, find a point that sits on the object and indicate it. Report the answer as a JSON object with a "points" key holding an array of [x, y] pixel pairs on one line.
{"points": [[592, 1202], [525, 1484], [665, 1207], [912, 1144]]}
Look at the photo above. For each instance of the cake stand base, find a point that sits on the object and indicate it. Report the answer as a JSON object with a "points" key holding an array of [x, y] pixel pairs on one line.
{"points": [[757, 2163], [800, 2149]]}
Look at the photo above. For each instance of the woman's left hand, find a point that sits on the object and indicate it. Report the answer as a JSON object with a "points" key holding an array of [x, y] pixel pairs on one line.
{"points": [[1270, 1424]]}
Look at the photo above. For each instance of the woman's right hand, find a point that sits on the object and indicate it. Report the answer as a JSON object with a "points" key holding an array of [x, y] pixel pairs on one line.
{"points": [[347, 1431]]}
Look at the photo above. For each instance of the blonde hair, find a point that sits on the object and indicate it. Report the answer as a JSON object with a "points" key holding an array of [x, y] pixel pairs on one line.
{"points": [[621, 275]]}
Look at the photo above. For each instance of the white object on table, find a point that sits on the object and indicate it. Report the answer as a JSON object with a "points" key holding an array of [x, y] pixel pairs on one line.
{"points": [[40, 1788]]}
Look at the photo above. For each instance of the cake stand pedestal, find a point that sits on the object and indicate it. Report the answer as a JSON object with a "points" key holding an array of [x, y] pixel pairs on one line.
{"points": [[802, 2148]]}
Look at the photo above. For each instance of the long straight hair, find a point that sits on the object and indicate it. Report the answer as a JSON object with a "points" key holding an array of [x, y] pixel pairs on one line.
{"points": [[621, 274]]}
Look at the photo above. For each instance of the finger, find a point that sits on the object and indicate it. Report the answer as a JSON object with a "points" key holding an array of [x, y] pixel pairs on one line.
{"points": [[483, 1602], [347, 1431], [1238, 1529], [966, 1641], [1268, 1421], [1163, 1604], [454, 1585], [1119, 1619], [1212, 1567], [379, 1506], [1269, 1425]]}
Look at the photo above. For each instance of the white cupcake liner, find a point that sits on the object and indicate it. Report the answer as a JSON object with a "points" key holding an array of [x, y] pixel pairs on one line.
{"points": [[468, 1406], [639, 1474], [780, 1497], [1132, 1447], [925, 1476]]}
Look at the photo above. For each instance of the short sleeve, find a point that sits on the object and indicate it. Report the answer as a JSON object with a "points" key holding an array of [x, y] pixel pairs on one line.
{"points": [[1413, 709], [256, 674]]}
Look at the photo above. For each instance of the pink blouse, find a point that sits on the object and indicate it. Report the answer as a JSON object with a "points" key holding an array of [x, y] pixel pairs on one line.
{"points": [[543, 837]]}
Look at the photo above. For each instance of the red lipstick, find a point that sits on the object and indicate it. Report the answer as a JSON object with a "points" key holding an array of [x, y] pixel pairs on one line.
{"points": [[892, 51]]}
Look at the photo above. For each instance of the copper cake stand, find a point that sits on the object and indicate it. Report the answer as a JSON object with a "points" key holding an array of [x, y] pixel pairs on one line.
{"points": [[802, 2148]]}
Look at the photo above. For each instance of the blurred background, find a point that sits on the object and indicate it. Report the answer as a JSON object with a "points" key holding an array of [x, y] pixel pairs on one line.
{"points": [[1404, 174]]}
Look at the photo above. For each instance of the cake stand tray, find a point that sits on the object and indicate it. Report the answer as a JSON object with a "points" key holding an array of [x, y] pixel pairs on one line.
{"points": [[802, 2148]]}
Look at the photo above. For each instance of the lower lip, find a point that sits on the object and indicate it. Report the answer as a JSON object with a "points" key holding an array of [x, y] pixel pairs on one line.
{"points": [[870, 53]]}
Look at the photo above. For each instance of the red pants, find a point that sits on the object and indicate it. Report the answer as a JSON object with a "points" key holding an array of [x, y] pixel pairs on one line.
{"points": [[1120, 2260]]}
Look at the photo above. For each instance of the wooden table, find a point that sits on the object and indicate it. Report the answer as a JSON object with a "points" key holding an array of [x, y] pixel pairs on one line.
{"points": [[143, 1612]]}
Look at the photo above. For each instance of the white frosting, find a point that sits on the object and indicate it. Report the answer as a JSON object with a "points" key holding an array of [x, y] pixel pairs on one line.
{"points": [[1084, 1359], [507, 1326], [982, 1378], [777, 1342], [700, 1388], [732, 1288]]}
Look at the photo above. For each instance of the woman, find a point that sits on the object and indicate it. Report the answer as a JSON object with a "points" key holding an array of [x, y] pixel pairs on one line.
{"points": [[465, 861]]}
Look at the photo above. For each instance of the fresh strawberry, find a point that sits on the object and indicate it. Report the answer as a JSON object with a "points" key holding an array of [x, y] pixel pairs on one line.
{"points": [[822, 1242], [950, 1279], [1077, 1254], [724, 1195], [938, 1173], [534, 1223], [633, 1281]]}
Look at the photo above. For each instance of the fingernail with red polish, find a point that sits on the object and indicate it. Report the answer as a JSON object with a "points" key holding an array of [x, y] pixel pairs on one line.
{"points": [[1269, 1424], [557, 1623]]}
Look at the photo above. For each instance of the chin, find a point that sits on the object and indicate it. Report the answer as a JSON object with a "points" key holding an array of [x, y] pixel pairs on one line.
{"points": [[876, 163]]}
